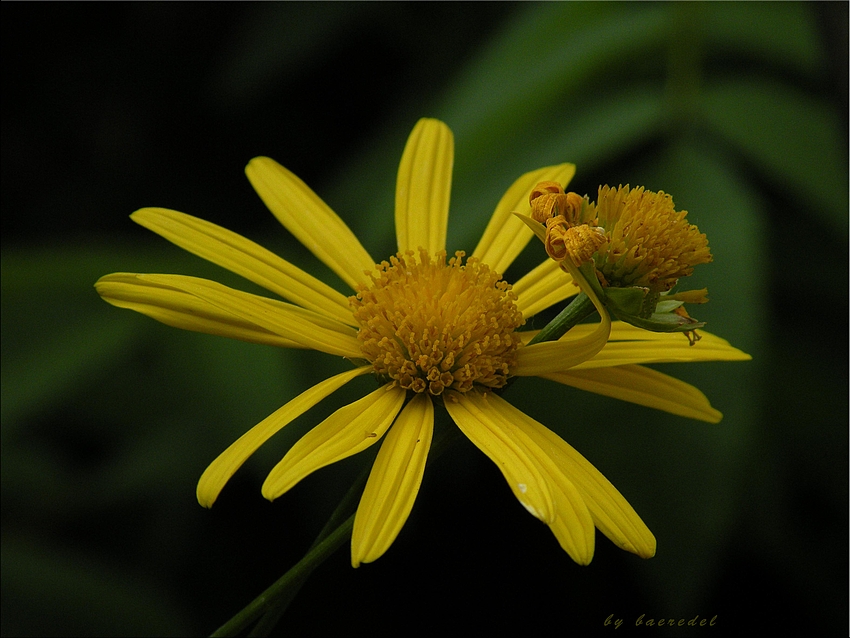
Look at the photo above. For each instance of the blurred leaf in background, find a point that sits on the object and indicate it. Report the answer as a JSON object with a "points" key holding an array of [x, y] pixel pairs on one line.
{"points": [[736, 109]]}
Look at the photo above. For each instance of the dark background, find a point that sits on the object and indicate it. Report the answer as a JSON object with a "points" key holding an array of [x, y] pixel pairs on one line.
{"points": [[108, 419]]}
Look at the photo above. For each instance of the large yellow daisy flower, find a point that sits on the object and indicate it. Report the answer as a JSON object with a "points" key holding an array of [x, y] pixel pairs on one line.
{"points": [[432, 330]]}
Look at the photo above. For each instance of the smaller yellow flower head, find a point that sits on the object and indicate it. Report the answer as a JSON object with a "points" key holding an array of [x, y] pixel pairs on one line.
{"points": [[648, 243], [635, 237]]}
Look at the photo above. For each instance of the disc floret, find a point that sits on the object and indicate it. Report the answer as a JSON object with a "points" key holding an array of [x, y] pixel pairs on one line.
{"points": [[428, 324]]}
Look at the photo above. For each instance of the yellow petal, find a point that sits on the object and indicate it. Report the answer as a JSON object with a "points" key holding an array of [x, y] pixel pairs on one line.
{"points": [[393, 482], [219, 471], [423, 188], [347, 431], [245, 258], [611, 513], [510, 453], [532, 473], [665, 348], [306, 327], [307, 217], [643, 386], [181, 310], [505, 235], [543, 287]]}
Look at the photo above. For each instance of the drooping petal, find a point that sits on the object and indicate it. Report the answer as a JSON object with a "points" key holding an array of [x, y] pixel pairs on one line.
{"points": [[423, 187], [532, 473], [611, 513], [555, 356], [244, 257], [312, 221], [347, 431], [643, 386], [569, 350], [219, 471], [542, 287], [181, 310], [505, 235], [305, 327], [393, 482]]}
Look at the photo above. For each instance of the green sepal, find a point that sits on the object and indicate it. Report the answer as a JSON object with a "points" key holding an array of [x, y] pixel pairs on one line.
{"points": [[588, 271], [661, 322], [629, 301], [536, 227], [669, 305]]}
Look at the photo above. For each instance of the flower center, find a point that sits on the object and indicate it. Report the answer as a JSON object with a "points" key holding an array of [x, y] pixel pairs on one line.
{"points": [[430, 325]]}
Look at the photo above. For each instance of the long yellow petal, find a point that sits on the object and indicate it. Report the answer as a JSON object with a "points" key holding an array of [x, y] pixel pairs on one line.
{"points": [[393, 482], [505, 236], [542, 287], [672, 348], [347, 431], [423, 187], [526, 479], [181, 310], [218, 473], [611, 513], [312, 221], [302, 326], [643, 386], [532, 473], [621, 331], [244, 257]]}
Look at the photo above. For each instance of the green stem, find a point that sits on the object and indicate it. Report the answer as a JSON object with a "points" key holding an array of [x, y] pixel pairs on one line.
{"points": [[336, 522], [269, 606], [579, 308], [295, 577]]}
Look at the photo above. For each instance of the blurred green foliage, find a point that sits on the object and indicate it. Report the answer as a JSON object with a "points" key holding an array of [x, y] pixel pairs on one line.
{"points": [[108, 419]]}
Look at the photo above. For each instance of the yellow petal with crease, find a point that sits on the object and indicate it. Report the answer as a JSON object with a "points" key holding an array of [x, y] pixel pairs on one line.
{"points": [[181, 310], [644, 386], [393, 482], [347, 431], [532, 473], [611, 513], [306, 327], [242, 256], [672, 348], [505, 235], [543, 287], [219, 471], [423, 188], [312, 221], [509, 452]]}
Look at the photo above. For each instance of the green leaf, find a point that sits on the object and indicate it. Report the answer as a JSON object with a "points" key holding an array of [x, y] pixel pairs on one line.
{"points": [[794, 138], [784, 33]]}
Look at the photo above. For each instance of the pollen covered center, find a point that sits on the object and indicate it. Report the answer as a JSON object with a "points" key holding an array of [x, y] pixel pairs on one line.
{"points": [[428, 324]]}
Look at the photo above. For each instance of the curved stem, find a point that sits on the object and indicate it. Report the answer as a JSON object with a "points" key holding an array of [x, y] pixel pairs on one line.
{"points": [[267, 608], [294, 578], [579, 308]]}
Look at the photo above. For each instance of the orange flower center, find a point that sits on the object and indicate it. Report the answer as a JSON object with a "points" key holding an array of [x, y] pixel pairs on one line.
{"points": [[428, 324]]}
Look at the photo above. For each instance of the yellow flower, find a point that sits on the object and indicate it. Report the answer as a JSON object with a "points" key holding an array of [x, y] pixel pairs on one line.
{"points": [[631, 246], [432, 331]]}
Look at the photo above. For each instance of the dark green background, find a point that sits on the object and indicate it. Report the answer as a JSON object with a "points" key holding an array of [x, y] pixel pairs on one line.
{"points": [[108, 418]]}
